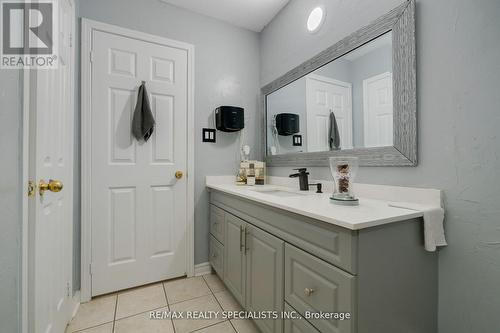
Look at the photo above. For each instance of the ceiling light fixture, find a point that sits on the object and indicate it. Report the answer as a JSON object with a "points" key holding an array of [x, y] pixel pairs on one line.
{"points": [[315, 19]]}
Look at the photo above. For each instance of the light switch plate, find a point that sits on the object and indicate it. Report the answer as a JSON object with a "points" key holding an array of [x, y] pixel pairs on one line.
{"points": [[297, 140], [208, 135]]}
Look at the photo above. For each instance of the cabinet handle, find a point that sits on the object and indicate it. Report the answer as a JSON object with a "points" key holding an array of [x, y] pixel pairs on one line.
{"points": [[246, 234], [241, 238], [308, 291]]}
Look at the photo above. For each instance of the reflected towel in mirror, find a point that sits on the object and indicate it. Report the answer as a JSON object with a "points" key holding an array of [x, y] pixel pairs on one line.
{"points": [[333, 135]]}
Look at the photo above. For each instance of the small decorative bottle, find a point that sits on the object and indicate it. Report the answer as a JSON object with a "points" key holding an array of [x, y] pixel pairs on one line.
{"points": [[251, 175]]}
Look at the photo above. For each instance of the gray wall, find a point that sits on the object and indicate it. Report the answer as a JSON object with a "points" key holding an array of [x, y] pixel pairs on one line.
{"points": [[459, 119], [10, 199], [226, 73]]}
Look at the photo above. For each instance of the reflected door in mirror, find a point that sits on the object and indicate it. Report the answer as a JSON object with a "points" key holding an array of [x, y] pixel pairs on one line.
{"points": [[324, 96], [378, 111]]}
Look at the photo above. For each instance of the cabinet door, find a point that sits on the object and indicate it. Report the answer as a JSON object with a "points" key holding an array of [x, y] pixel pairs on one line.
{"points": [[216, 256], [313, 285], [264, 276], [234, 256]]}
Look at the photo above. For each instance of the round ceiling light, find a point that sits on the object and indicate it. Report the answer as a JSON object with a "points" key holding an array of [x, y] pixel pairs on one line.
{"points": [[315, 19]]}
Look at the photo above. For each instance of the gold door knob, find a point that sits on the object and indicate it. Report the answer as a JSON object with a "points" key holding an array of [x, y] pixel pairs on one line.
{"points": [[52, 186], [178, 174]]}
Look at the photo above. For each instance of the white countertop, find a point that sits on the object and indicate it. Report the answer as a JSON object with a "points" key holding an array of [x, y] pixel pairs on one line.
{"points": [[370, 212]]}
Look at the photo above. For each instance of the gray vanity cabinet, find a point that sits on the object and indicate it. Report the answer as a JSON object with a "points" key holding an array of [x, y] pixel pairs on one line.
{"points": [[234, 256], [264, 276], [275, 260]]}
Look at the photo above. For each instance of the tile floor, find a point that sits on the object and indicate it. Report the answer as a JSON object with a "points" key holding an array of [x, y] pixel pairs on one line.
{"points": [[128, 311]]}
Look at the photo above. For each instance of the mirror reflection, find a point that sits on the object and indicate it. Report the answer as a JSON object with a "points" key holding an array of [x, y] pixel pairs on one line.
{"points": [[345, 104]]}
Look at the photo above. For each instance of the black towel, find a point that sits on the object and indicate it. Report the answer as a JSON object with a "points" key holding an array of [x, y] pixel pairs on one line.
{"points": [[334, 136], [143, 123]]}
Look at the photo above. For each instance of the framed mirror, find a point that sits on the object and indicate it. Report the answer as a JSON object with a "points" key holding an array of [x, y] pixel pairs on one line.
{"points": [[356, 98]]}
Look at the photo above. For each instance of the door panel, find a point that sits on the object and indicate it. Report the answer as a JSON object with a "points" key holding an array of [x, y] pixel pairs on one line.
{"points": [[51, 213], [234, 257], [138, 206], [264, 276]]}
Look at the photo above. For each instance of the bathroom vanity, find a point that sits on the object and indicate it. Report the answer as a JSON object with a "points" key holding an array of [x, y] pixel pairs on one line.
{"points": [[280, 249]]}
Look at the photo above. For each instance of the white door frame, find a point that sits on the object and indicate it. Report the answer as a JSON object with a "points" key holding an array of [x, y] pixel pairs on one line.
{"points": [[29, 88], [88, 27]]}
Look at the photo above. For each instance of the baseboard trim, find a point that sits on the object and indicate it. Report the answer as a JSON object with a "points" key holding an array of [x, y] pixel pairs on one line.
{"points": [[202, 269], [75, 303]]}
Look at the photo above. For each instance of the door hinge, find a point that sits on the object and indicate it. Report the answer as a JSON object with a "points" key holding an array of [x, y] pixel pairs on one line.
{"points": [[67, 289], [31, 189], [90, 268], [91, 56]]}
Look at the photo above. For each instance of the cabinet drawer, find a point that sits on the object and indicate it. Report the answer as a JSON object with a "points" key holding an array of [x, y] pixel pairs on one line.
{"points": [[217, 256], [217, 223], [297, 325], [313, 285]]}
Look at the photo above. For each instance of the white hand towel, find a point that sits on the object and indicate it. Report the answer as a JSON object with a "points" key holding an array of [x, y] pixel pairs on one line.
{"points": [[433, 223]]}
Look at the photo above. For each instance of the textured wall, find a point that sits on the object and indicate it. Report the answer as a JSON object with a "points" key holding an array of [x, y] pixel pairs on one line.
{"points": [[226, 73], [459, 119], [10, 199]]}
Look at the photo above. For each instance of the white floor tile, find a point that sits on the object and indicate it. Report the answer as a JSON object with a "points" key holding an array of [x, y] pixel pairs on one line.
{"points": [[245, 326], [185, 289], [98, 311], [224, 327], [142, 323], [140, 300], [227, 301], [214, 282], [204, 303], [106, 328]]}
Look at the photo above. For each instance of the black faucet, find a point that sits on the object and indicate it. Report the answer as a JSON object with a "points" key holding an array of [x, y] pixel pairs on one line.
{"points": [[303, 178]]}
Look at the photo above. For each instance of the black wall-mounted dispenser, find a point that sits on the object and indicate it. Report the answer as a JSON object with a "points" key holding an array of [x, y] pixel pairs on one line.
{"points": [[287, 123], [229, 118]]}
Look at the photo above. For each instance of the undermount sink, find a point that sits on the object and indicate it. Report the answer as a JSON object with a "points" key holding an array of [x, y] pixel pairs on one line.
{"points": [[278, 192]]}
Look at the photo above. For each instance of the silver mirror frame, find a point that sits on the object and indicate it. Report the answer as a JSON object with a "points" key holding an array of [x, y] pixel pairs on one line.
{"points": [[401, 21]]}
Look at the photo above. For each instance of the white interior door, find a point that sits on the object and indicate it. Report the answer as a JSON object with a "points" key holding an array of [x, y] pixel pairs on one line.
{"points": [[50, 242], [378, 111], [138, 207], [325, 95]]}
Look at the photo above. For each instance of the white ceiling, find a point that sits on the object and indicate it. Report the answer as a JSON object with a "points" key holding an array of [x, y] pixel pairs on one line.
{"points": [[249, 14]]}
